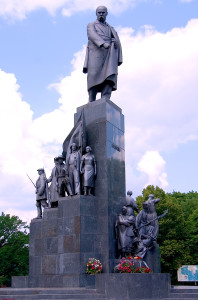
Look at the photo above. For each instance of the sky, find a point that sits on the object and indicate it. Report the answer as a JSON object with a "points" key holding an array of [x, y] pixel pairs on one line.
{"points": [[42, 52]]}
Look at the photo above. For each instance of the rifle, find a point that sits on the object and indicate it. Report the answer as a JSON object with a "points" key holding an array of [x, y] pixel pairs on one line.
{"points": [[157, 218], [31, 180]]}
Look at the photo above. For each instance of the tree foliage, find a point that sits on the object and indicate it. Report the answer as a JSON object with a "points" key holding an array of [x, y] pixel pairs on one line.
{"points": [[14, 250], [178, 235]]}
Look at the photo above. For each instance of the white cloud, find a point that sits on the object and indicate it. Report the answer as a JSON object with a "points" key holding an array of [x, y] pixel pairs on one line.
{"points": [[160, 77], [25, 146], [153, 165], [157, 90], [18, 9]]}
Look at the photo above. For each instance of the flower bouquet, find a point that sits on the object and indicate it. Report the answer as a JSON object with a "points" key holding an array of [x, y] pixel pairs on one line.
{"points": [[143, 270], [94, 266], [129, 265]]}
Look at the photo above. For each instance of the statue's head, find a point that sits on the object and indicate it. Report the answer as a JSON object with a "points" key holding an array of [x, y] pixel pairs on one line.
{"points": [[101, 13], [88, 149], [124, 210], [145, 206], [40, 171], [60, 159], [73, 146], [129, 193], [56, 159], [151, 196]]}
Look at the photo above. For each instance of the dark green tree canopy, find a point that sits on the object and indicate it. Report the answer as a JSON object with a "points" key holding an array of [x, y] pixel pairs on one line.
{"points": [[14, 248], [178, 233]]}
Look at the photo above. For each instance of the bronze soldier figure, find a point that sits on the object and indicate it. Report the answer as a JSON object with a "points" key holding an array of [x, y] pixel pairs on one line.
{"points": [[41, 194]]}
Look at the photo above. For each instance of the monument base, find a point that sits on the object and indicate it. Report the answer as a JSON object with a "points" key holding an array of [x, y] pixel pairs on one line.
{"points": [[113, 286], [133, 286], [61, 281]]}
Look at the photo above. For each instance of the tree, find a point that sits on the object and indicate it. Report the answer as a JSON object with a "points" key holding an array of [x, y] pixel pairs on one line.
{"points": [[192, 232], [187, 201], [14, 248]]}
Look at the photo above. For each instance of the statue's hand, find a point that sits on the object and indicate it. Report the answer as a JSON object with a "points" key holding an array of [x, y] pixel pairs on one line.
{"points": [[115, 43], [106, 45]]}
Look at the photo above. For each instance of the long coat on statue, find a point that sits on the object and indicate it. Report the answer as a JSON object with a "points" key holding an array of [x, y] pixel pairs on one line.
{"points": [[41, 188], [100, 63]]}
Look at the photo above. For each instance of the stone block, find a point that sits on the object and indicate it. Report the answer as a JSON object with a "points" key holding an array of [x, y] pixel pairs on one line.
{"points": [[69, 263], [19, 282], [50, 228], [88, 224], [51, 213], [71, 280], [77, 225], [87, 242], [35, 229], [35, 281], [88, 205], [133, 286], [102, 225], [52, 281], [49, 264], [50, 245], [69, 206], [60, 208], [38, 247], [35, 265], [71, 244], [87, 280], [152, 259], [101, 243], [161, 285], [68, 225]]}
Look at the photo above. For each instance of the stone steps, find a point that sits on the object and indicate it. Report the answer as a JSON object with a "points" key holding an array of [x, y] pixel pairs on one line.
{"points": [[183, 292], [42, 293], [176, 293]]}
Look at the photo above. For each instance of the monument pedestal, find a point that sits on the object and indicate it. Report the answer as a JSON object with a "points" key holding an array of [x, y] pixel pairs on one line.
{"points": [[83, 227], [62, 242], [104, 123]]}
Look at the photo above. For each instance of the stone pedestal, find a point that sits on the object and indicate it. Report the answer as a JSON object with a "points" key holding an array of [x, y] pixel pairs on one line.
{"points": [[83, 226], [62, 242], [105, 134]]}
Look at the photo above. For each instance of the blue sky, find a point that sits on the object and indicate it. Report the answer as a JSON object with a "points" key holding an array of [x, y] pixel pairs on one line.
{"points": [[41, 57]]}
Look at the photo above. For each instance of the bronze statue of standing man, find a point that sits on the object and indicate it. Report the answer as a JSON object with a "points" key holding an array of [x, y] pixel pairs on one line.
{"points": [[41, 193], [103, 56], [73, 169]]}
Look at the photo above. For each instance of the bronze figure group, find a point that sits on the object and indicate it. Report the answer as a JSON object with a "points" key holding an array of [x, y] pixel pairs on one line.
{"points": [[137, 235], [74, 177]]}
